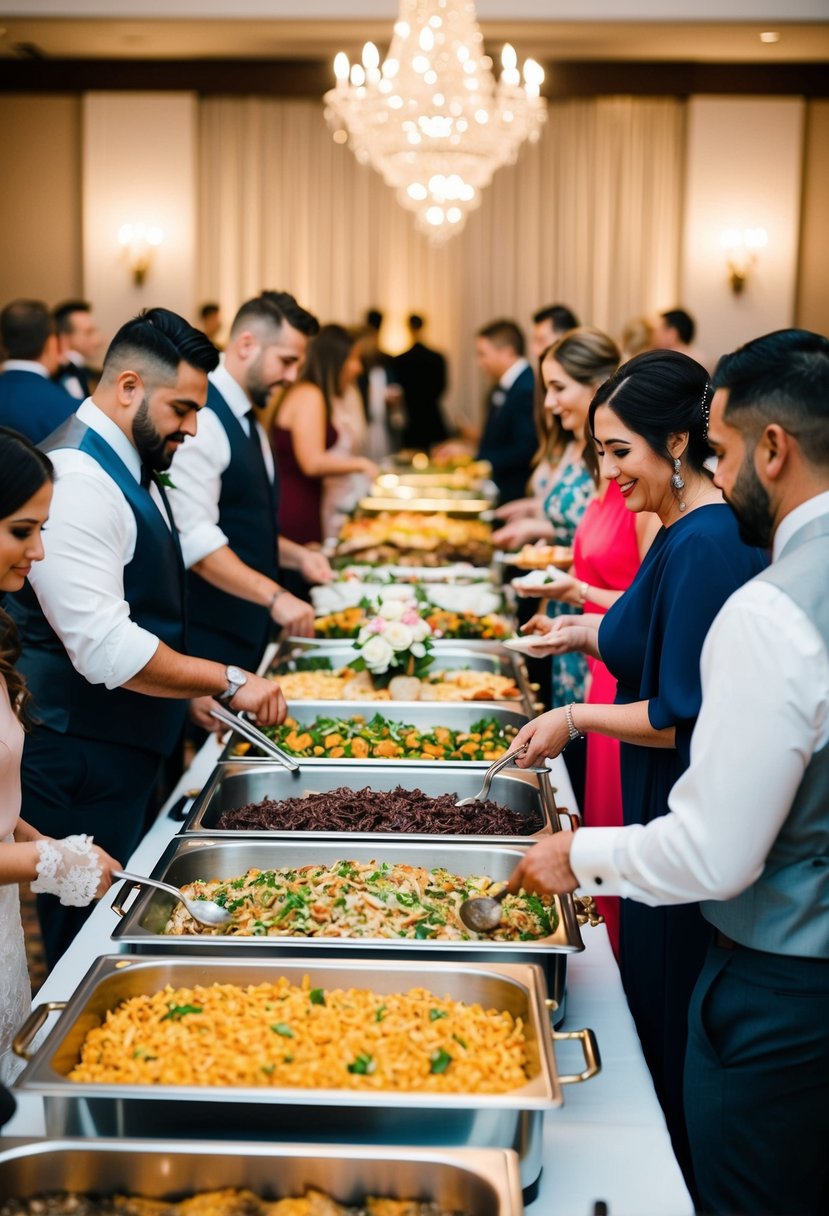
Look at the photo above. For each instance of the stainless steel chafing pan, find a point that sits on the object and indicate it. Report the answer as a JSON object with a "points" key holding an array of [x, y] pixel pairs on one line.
{"points": [[235, 783], [424, 715], [482, 1182], [508, 1120], [142, 926]]}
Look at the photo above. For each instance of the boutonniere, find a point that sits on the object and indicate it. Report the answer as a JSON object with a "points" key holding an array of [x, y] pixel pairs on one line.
{"points": [[164, 479]]}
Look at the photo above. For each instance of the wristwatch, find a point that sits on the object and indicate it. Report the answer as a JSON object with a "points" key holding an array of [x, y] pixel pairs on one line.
{"points": [[235, 679]]}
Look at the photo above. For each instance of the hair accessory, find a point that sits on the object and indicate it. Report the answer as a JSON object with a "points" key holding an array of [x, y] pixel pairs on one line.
{"points": [[677, 483], [705, 405]]}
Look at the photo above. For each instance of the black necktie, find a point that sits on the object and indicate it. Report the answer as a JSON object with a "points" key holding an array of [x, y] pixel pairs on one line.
{"points": [[146, 476]]}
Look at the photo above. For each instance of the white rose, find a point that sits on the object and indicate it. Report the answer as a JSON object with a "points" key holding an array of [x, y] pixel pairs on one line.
{"points": [[421, 631], [418, 650], [398, 636], [377, 654], [392, 610], [396, 592]]}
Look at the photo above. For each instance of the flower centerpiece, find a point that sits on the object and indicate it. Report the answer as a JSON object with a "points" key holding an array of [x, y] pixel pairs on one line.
{"points": [[395, 639]]}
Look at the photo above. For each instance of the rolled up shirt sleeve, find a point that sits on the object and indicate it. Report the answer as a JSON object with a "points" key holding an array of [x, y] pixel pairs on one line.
{"points": [[765, 711], [196, 474], [88, 541]]}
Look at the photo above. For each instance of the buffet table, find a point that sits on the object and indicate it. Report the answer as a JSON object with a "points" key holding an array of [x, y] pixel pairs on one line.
{"points": [[608, 1142]]}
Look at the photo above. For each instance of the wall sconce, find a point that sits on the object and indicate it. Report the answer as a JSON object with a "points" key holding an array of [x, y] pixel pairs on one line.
{"points": [[139, 242], [741, 245]]}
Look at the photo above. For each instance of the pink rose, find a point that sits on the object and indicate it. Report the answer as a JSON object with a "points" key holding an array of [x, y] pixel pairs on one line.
{"points": [[376, 625]]}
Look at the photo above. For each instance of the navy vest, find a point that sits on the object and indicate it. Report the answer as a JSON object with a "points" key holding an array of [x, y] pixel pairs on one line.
{"points": [[221, 626], [154, 589]]}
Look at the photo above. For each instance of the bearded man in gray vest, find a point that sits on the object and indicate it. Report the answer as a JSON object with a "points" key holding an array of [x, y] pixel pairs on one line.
{"points": [[748, 830], [102, 621]]}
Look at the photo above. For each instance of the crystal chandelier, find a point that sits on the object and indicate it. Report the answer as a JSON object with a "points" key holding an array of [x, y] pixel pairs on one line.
{"points": [[431, 119]]}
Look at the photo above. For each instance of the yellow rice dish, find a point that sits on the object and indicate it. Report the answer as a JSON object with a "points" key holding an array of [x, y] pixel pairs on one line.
{"points": [[278, 1035]]}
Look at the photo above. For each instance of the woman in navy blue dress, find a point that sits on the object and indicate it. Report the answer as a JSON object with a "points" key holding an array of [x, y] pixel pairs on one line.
{"points": [[649, 422]]}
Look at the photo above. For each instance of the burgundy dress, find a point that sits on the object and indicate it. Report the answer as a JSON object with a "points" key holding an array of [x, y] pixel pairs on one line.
{"points": [[300, 495], [605, 554]]}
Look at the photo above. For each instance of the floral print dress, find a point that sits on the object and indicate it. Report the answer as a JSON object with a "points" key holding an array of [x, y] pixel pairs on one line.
{"points": [[564, 505]]}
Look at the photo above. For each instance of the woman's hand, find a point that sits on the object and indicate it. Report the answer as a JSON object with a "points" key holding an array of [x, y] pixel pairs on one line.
{"points": [[563, 635], [545, 867], [564, 590], [545, 737], [369, 468], [315, 567], [520, 508], [520, 532], [107, 864]]}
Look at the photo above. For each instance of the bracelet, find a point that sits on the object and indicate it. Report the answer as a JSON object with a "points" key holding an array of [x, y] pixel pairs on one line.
{"points": [[279, 591], [574, 731]]}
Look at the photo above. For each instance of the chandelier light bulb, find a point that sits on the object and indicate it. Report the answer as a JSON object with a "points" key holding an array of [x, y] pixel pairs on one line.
{"points": [[509, 59], [426, 41], [358, 75], [341, 66], [371, 57]]}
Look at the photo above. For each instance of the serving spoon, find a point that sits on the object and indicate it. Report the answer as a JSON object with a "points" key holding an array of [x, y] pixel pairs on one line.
{"points": [[204, 911], [482, 913], [495, 767]]}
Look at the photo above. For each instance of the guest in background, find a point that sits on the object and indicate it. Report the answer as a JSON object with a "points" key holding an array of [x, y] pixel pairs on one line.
{"points": [[29, 401], [382, 396], [80, 342], [102, 621], [509, 438], [649, 422], [211, 323], [637, 336], [676, 330], [552, 442], [421, 374], [225, 495], [304, 435], [79, 870], [549, 324]]}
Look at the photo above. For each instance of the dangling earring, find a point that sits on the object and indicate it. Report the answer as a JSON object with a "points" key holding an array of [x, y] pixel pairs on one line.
{"points": [[678, 484]]}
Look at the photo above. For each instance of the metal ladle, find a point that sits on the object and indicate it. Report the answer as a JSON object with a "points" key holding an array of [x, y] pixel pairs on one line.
{"points": [[495, 767], [482, 913], [204, 911]]}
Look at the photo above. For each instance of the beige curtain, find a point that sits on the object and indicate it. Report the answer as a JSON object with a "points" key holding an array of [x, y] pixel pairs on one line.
{"points": [[590, 215]]}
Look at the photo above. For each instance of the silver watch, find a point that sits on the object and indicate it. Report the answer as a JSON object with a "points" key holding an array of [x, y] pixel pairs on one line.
{"points": [[235, 679]]}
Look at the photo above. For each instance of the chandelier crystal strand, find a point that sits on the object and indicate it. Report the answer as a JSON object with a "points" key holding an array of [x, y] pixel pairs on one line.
{"points": [[431, 118]]}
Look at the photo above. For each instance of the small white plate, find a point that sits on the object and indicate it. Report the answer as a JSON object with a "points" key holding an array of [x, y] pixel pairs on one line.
{"points": [[527, 644], [540, 578]]}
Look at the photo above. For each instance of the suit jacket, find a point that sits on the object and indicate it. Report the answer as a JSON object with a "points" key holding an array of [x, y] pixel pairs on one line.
{"points": [[32, 404], [74, 380], [509, 441], [421, 373]]}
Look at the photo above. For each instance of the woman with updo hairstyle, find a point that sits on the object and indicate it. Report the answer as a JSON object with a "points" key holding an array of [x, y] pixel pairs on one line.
{"points": [[649, 424], [74, 869]]}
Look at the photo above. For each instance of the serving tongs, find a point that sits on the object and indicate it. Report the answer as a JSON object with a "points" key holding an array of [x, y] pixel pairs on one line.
{"points": [[255, 736], [494, 768]]}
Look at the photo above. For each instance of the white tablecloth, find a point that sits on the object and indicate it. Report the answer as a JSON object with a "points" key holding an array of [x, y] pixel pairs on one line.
{"points": [[608, 1142]]}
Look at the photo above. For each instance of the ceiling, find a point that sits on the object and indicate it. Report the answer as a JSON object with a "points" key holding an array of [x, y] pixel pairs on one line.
{"points": [[550, 41]]}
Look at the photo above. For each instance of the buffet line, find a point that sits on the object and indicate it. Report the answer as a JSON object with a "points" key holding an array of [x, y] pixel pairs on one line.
{"points": [[375, 1053]]}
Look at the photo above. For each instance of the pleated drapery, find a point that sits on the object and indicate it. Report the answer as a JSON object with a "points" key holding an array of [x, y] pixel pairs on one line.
{"points": [[590, 215]]}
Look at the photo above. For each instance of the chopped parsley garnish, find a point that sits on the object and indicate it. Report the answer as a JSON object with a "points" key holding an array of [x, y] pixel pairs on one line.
{"points": [[316, 996], [440, 1061], [176, 1012], [436, 1014], [282, 1028], [362, 1065]]}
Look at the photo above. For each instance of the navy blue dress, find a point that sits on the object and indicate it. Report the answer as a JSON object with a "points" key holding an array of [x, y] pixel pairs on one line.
{"points": [[651, 640]]}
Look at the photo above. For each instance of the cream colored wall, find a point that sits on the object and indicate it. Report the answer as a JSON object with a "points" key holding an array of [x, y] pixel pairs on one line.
{"points": [[813, 279], [139, 165], [744, 169], [40, 201]]}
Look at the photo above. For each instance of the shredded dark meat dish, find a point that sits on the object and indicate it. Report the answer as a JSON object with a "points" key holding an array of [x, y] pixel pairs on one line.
{"points": [[367, 810]]}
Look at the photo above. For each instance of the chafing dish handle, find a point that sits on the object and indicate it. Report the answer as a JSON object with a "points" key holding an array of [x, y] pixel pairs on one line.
{"points": [[589, 1046], [33, 1023], [587, 912], [573, 819], [117, 904]]}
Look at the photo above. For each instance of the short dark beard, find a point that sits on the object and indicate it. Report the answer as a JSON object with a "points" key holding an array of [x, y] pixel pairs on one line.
{"points": [[151, 446], [751, 504]]}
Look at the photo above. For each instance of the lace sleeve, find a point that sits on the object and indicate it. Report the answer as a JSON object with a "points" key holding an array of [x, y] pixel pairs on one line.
{"points": [[69, 869]]}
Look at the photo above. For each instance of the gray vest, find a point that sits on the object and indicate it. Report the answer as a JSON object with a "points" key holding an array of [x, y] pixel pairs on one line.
{"points": [[786, 911]]}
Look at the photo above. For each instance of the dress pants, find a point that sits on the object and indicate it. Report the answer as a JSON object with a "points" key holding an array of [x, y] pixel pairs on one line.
{"points": [[73, 785], [757, 1084]]}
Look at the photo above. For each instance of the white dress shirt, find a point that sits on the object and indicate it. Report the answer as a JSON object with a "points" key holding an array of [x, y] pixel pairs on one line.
{"points": [[197, 468], [25, 365], [765, 712], [88, 541], [512, 373]]}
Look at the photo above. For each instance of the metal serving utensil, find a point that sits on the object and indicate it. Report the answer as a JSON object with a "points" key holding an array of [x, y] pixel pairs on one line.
{"points": [[255, 736], [482, 913], [495, 767], [204, 911]]}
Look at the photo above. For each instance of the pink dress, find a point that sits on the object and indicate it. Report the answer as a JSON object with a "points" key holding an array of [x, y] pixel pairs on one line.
{"points": [[15, 993], [606, 555]]}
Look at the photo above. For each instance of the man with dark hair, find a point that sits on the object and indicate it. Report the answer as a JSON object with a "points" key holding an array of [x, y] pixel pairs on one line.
{"points": [[225, 493], [29, 401], [676, 330], [381, 394], [509, 440], [210, 322], [421, 374], [549, 323], [79, 340], [748, 830], [102, 623]]}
